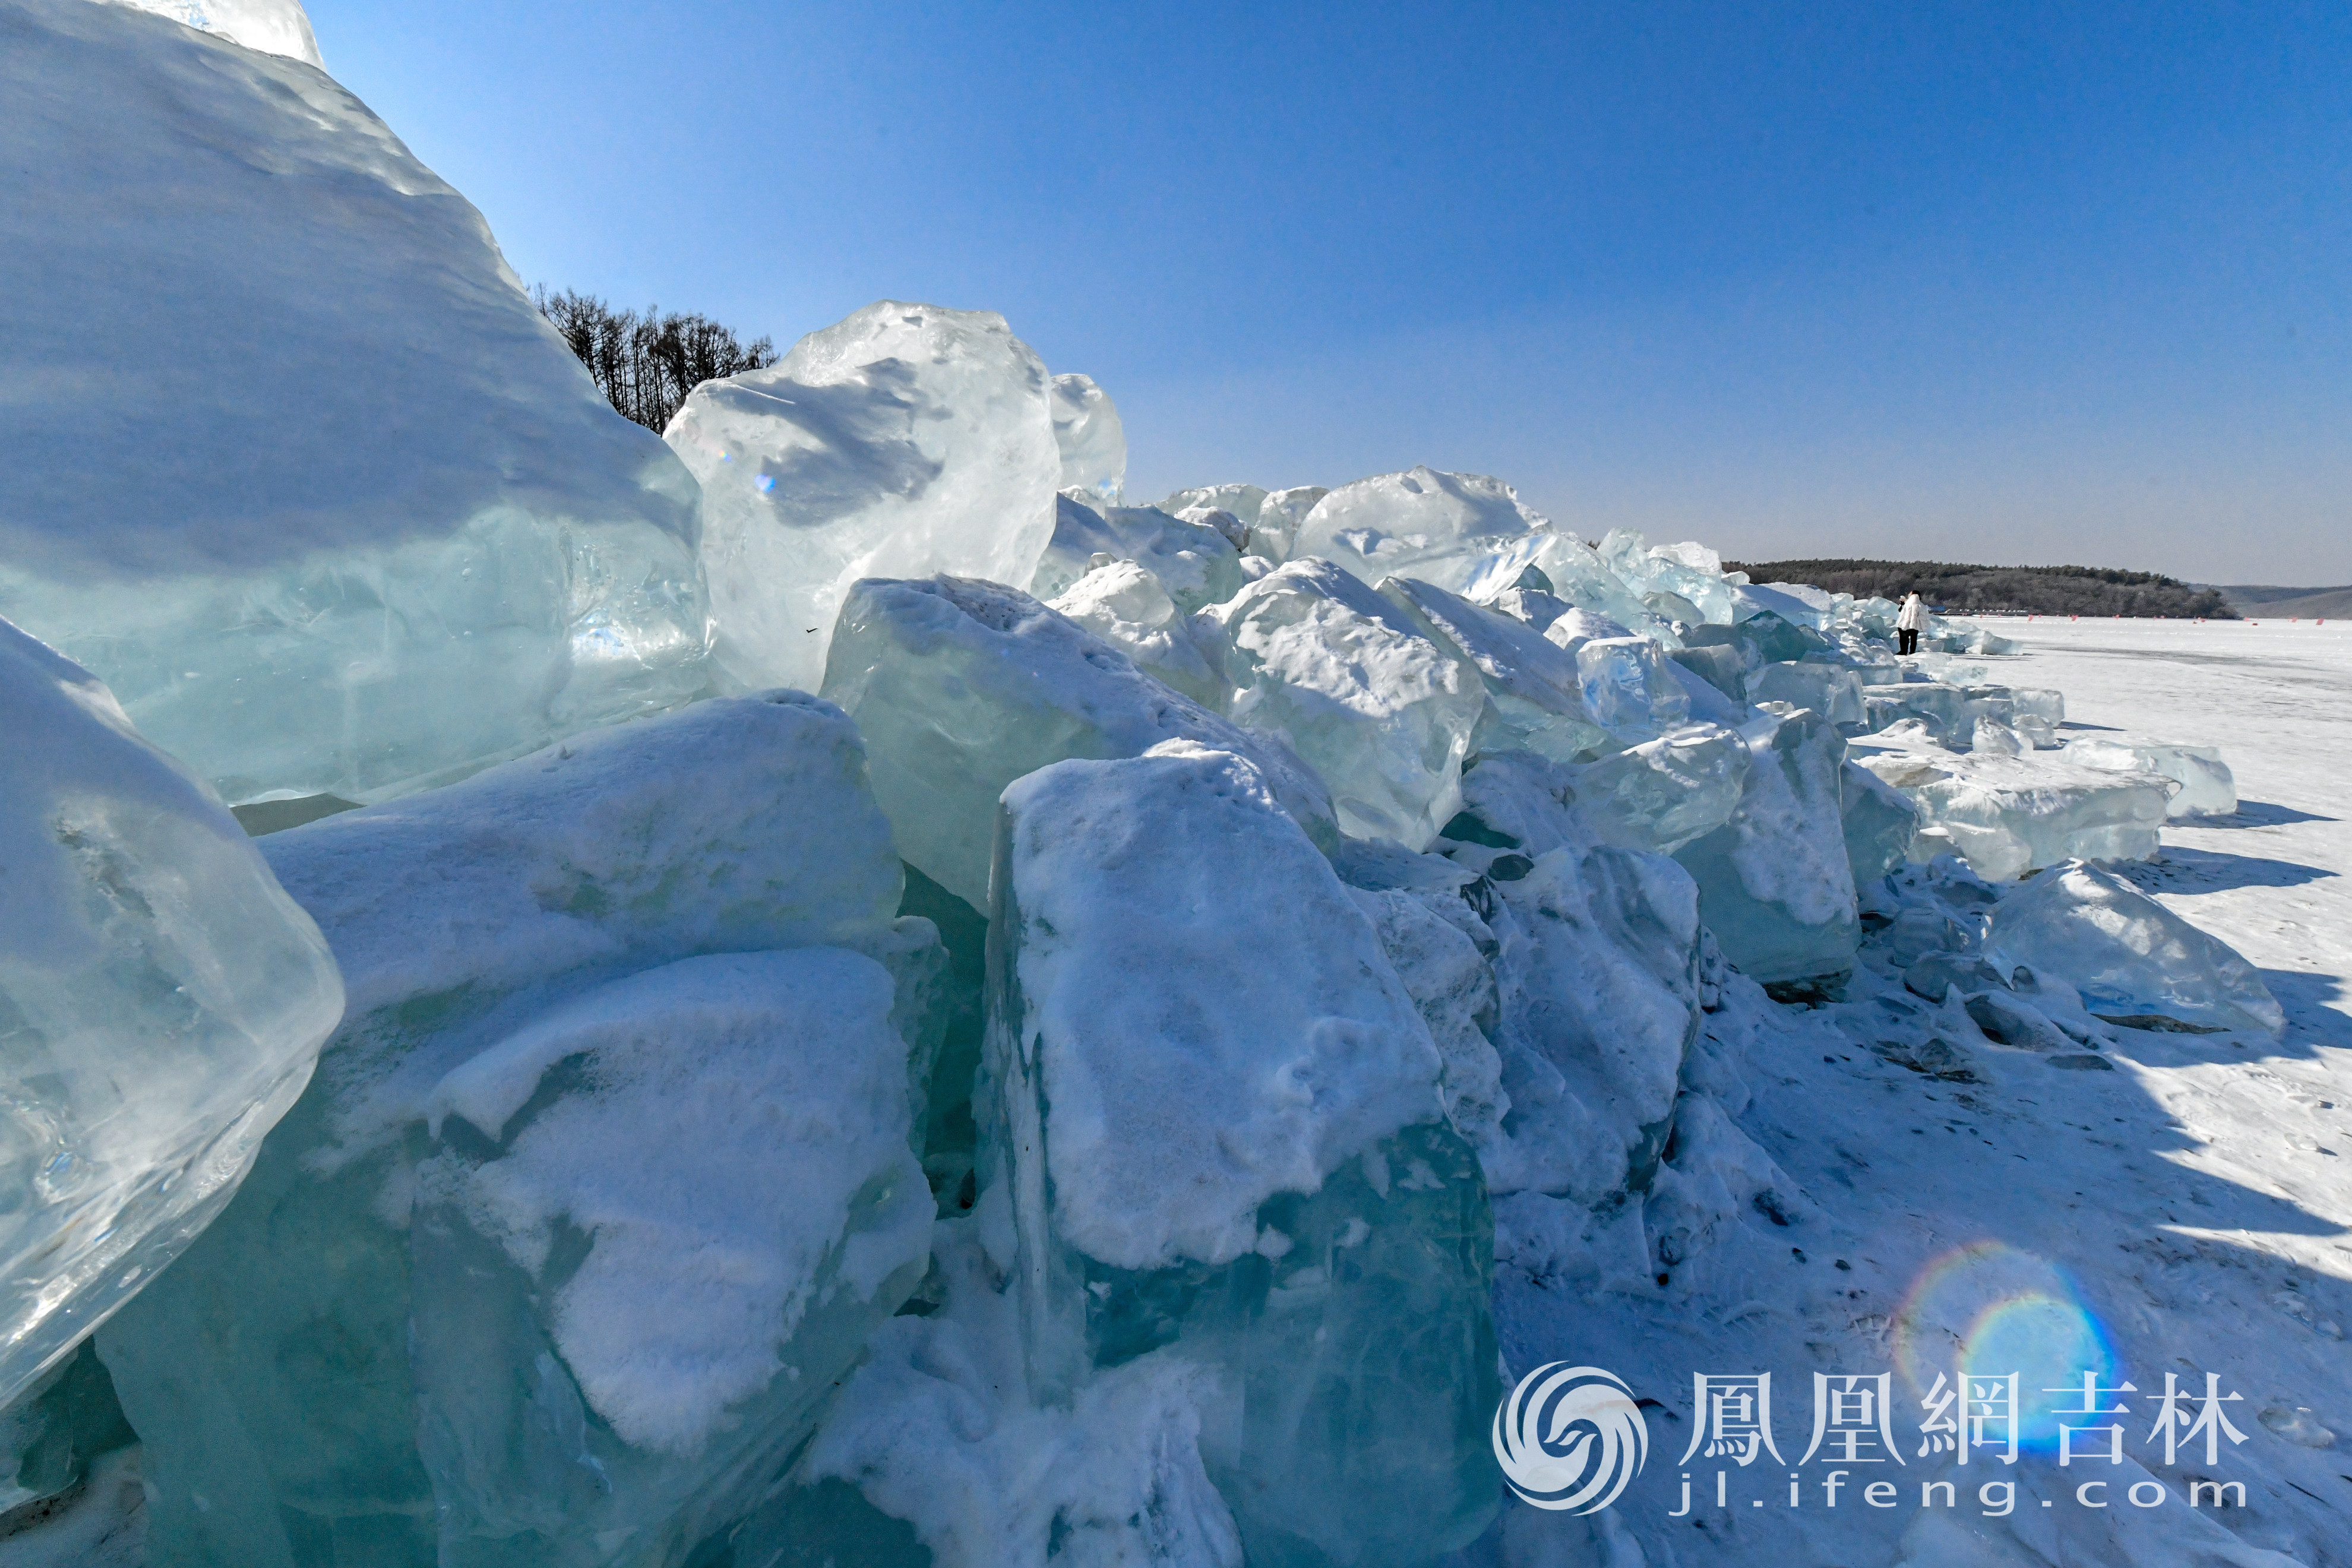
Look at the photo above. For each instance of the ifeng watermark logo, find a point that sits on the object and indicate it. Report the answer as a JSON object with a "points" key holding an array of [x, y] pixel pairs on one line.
{"points": [[1570, 1437]]}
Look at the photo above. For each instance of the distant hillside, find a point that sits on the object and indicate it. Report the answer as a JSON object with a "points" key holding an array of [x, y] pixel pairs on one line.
{"points": [[2004, 590], [2308, 603]]}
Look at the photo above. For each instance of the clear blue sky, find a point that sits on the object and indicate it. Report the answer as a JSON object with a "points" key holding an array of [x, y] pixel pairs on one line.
{"points": [[2025, 283]]}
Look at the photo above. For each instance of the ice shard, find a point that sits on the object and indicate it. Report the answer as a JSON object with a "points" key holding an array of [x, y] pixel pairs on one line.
{"points": [[2134, 961], [161, 1005], [1776, 885], [1195, 564], [1630, 687], [1534, 699], [959, 688], [1090, 438], [1664, 794], [906, 440], [1439, 527], [1833, 691], [1254, 1177], [310, 548], [2206, 786], [1880, 824], [270, 1374], [1381, 713]]}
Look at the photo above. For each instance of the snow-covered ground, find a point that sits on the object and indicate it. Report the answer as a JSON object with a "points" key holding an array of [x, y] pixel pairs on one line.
{"points": [[2183, 1213]]}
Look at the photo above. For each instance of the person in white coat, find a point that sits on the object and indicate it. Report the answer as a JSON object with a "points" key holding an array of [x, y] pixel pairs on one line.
{"points": [[1907, 625]]}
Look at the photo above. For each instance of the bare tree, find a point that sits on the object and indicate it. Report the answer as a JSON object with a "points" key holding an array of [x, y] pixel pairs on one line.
{"points": [[646, 362]]}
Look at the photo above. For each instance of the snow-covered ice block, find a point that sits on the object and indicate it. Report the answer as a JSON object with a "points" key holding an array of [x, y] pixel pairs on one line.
{"points": [[2011, 814], [1244, 502], [1630, 687], [1833, 691], [1439, 527], [1776, 885], [1598, 971], [1880, 824], [162, 1004], [959, 688], [1219, 1129], [269, 1373], [1279, 518], [906, 440], [273, 27], [1663, 794], [1381, 713], [656, 1228], [2206, 786], [2130, 957], [1452, 984], [1991, 738], [1129, 607], [1198, 565], [1090, 438], [310, 548], [1535, 700], [1236, 533]]}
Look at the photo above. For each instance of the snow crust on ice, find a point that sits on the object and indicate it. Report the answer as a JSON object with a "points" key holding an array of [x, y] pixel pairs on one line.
{"points": [[1535, 699], [1195, 563], [1090, 438], [1338, 673], [960, 687], [162, 1002], [1178, 1111], [905, 440], [272, 27], [1129, 607], [400, 542], [779, 1088]]}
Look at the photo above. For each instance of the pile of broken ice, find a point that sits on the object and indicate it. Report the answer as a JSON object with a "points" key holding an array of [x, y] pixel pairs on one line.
{"points": [[883, 1002]]}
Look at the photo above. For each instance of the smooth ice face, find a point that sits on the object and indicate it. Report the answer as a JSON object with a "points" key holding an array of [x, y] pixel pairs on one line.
{"points": [[1598, 970], [272, 27], [2011, 814], [905, 440], [1576, 574], [1663, 794], [1090, 438], [1254, 1174], [400, 542], [1382, 713], [1195, 563], [676, 1205], [162, 1002], [2128, 955], [1534, 700], [1880, 824], [1438, 527], [463, 918], [1944, 708], [1129, 607], [960, 687], [1279, 518], [1689, 572], [1630, 687], [1776, 885], [2206, 786]]}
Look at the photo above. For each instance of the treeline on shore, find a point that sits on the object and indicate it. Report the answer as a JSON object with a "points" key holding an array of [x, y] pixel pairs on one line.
{"points": [[2003, 590]]}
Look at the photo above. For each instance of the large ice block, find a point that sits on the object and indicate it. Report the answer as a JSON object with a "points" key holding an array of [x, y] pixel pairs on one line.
{"points": [[1438, 527], [1279, 518], [1630, 687], [269, 1373], [1598, 971], [1831, 690], [1570, 568], [905, 440], [312, 548], [1197, 564], [162, 1004], [2009, 815], [1880, 824], [1129, 607], [1090, 438], [961, 687], [1534, 700], [1452, 984], [2130, 957], [1689, 572], [1382, 713], [655, 1227], [1944, 708], [1663, 794], [1775, 884], [2206, 786], [1253, 1172]]}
